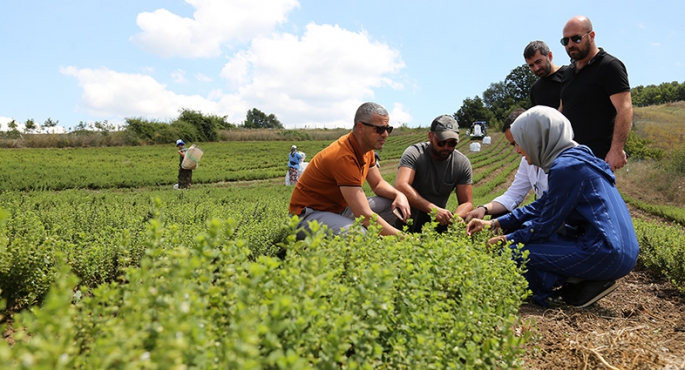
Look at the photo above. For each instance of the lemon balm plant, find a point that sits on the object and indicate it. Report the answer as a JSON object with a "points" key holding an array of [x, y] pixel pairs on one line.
{"points": [[331, 302]]}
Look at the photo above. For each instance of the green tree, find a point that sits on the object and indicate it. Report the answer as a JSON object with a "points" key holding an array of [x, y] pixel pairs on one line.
{"points": [[501, 97], [49, 123], [258, 119], [498, 99], [13, 132], [30, 126], [207, 125], [518, 82], [473, 110]]}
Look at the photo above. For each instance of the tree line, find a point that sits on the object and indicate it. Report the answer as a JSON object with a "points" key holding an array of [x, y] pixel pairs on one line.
{"points": [[666, 92]]}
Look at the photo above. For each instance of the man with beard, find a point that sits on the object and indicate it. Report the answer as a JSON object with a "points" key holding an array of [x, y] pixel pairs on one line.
{"points": [[430, 171], [547, 89], [330, 190], [595, 94]]}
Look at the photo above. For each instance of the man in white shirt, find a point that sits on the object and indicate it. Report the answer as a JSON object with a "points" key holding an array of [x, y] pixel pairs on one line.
{"points": [[527, 177]]}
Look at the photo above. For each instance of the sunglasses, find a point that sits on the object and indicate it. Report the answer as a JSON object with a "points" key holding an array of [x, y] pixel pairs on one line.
{"points": [[450, 143], [379, 129], [575, 38]]}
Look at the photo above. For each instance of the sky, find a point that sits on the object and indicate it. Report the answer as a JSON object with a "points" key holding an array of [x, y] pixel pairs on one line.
{"points": [[311, 63]]}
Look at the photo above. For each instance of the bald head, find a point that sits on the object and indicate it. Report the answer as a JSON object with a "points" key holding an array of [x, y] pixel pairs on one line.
{"points": [[579, 22]]}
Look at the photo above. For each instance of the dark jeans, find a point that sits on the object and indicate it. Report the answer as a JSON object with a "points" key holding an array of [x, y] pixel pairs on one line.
{"points": [[185, 177]]}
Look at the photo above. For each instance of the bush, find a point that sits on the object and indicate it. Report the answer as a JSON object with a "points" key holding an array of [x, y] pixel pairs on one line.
{"points": [[661, 250], [207, 126], [676, 161], [26, 260], [637, 148], [354, 302]]}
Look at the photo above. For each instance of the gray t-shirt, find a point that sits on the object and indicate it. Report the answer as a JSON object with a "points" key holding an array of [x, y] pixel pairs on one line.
{"points": [[435, 180]]}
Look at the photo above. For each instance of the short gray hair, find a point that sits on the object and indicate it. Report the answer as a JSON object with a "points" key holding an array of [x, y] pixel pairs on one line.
{"points": [[534, 46], [366, 110]]}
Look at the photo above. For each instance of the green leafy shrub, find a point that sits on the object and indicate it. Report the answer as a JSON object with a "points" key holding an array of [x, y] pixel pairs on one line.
{"points": [[26, 260], [637, 148], [356, 302], [661, 250], [676, 161]]}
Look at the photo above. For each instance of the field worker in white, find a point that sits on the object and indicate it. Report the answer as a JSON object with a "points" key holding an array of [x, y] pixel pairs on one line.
{"points": [[527, 177], [580, 229]]}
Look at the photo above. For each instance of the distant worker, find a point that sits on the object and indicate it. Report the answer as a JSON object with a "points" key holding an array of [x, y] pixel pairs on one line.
{"points": [[579, 234], [330, 190], [547, 89], [185, 177], [429, 172], [595, 94], [527, 177], [294, 160]]}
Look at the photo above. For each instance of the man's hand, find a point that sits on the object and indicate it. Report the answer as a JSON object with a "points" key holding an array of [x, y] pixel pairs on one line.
{"points": [[616, 159], [402, 203], [443, 216], [478, 212]]}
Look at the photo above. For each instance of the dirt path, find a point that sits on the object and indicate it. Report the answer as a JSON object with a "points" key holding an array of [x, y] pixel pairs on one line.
{"points": [[641, 325]]}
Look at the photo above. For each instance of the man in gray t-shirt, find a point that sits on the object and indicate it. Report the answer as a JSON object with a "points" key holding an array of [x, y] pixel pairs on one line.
{"points": [[430, 171]]}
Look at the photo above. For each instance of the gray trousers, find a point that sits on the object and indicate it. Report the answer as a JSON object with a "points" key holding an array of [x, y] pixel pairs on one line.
{"points": [[340, 223]]}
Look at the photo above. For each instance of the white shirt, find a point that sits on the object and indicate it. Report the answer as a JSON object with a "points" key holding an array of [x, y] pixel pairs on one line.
{"points": [[527, 177]]}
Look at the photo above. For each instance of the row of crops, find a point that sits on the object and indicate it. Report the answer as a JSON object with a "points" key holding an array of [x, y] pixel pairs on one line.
{"points": [[137, 275]]}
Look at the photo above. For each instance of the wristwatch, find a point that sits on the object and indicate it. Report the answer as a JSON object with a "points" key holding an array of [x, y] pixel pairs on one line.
{"points": [[486, 208]]}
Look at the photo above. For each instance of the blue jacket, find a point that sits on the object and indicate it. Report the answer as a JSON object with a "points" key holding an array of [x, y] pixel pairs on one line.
{"points": [[294, 160], [582, 204]]}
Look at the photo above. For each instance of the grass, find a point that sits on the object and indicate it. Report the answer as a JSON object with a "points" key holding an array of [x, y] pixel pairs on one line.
{"points": [[661, 124], [659, 183]]}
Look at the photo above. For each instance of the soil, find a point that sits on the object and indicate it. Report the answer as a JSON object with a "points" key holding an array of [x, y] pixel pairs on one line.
{"points": [[641, 325]]}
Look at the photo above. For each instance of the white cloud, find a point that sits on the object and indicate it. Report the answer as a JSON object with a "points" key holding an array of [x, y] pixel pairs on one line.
{"points": [[202, 77], [314, 80], [398, 115], [317, 79], [111, 94], [3, 123], [179, 76], [215, 23], [4, 126]]}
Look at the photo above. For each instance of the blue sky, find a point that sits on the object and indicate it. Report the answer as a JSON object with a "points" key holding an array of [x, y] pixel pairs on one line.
{"points": [[309, 62]]}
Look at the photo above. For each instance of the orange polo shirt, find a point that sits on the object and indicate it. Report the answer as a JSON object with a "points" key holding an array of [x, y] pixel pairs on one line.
{"points": [[341, 164]]}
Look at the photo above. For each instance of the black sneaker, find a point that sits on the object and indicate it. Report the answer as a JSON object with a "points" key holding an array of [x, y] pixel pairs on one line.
{"points": [[590, 292], [569, 291]]}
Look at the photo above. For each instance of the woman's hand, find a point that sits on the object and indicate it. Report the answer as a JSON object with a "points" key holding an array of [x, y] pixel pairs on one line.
{"points": [[497, 239], [476, 225]]}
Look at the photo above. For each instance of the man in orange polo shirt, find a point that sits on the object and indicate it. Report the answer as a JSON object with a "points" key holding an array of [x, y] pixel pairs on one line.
{"points": [[330, 190]]}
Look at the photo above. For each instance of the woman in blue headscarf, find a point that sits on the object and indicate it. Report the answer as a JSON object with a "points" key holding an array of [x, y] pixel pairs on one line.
{"points": [[579, 233]]}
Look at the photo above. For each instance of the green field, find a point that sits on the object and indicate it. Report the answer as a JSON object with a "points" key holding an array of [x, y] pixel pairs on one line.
{"points": [[104, 265]]}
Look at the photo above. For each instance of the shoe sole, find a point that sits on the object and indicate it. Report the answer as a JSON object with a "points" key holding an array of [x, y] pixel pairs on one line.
{"points": [[599, 296]]}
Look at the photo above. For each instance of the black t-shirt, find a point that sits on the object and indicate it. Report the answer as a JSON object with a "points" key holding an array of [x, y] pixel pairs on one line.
{"points": [[547, 90], [586, 103]]}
